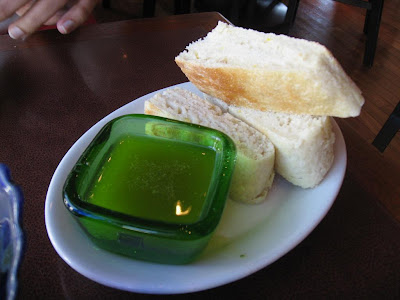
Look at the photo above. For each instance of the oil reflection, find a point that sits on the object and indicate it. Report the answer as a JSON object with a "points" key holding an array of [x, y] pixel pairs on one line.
{"points": [[179, 211]]}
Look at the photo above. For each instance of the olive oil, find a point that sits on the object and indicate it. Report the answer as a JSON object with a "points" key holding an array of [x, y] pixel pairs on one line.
{"points": [[155, 179]]}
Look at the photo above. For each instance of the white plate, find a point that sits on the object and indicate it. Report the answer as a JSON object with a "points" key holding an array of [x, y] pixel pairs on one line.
{"points": [[248, 238]]}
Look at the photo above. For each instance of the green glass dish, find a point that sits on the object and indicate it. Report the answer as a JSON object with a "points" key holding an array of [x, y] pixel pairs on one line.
{"points": [[152, 188]]}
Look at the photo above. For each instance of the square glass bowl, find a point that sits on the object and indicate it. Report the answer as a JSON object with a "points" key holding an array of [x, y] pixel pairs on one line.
{"points": [[152, 188]]}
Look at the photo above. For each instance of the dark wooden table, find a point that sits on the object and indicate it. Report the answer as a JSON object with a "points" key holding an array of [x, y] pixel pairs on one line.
{"points": [[53, 88]]}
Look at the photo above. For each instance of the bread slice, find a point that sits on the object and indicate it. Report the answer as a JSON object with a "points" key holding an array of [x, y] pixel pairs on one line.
{"points": [[304, 144], [270, 72], [254, 169]]}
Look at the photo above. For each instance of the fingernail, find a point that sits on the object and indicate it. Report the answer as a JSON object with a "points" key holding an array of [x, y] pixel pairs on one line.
{"points": [[67, 26], [16, 33]]}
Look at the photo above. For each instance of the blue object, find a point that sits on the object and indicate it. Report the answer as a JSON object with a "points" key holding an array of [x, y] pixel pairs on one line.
{"points": [[11, 235]]}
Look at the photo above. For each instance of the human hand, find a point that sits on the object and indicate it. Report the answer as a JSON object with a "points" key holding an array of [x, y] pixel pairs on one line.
{"points": [[67, 14]]}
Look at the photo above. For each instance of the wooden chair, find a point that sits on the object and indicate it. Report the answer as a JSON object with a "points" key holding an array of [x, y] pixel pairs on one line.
{"points": [[239, 12], [389, 130], [180, 7], [371, 25], [263, 15], [149, 7]]}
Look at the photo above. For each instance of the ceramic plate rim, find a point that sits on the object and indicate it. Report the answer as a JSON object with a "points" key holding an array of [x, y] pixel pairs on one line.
{"points": [[226, 264]]}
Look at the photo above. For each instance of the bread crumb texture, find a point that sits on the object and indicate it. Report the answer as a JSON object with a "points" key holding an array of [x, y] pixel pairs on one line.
{"points": [[304, 144], [254, 170]]}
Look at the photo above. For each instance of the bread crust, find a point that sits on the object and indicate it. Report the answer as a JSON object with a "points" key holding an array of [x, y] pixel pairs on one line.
{"points": [[297, 92]]}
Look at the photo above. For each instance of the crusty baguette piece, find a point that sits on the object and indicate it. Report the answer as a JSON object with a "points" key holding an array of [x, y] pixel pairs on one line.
{"points": [[254, 169], [304, 144], [270, 72]]}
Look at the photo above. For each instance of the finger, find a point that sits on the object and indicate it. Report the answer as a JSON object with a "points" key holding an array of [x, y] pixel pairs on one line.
{"points": [[22, 10], [77, 14], [54, 19], [8, 8], [40, 12]]}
